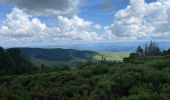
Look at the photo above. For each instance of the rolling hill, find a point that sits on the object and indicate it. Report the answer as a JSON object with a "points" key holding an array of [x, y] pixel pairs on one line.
{"points": [[56, 57]]}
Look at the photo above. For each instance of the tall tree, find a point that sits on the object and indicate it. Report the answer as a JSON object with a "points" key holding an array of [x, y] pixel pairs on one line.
{"points": [[7, 64], [152, 49], [139, 51], [23, 65]]}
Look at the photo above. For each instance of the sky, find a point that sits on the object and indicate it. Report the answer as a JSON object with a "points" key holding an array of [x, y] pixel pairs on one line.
{"points": [[70, 21]]}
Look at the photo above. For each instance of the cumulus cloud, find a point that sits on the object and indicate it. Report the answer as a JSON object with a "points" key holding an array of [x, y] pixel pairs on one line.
{"points": [[141, 20], [77, 28], [20, 27], [45, 7]]}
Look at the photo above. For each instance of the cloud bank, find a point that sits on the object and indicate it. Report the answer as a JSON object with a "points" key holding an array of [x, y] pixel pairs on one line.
{"points": [[45, 7], [138, 21], [141, 20], [20, 27]]}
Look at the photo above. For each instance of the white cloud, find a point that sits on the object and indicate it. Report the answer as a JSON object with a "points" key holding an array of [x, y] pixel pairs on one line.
{"points": [[77, 28], [45, 7], [141, 20], [98, 26], [19, 27]]}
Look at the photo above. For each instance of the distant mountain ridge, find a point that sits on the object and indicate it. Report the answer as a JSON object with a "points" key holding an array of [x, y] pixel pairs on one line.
{"points": [[115, 46], [96, 46], [56, 56]]}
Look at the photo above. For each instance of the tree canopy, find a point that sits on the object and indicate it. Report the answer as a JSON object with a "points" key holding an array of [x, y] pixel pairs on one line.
{"points": [[137, 78]]}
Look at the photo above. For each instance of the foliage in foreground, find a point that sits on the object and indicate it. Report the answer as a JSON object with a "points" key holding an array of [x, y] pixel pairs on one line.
{"points": [[144, 78], [12, 62]]}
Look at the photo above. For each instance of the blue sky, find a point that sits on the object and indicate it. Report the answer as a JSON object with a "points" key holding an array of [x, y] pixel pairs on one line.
{"points": [[90, 10], [23, 21], [93, 10]]}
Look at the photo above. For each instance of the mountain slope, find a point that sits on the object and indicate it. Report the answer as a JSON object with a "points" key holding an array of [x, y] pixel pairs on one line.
{"points": [[144, 78], [56, 57]]}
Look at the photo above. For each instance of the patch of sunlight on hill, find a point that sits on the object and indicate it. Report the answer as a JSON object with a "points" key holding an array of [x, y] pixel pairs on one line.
{"points": [[112, 56]]}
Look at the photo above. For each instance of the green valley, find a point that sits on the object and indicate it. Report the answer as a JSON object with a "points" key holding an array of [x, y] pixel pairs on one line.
{"points": [[60, 57]]}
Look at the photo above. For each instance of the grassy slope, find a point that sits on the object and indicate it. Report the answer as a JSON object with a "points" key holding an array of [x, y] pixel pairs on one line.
{"points": [[112, 56]]}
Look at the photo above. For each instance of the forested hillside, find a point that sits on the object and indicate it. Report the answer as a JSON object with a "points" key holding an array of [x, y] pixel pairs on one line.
{"points": [[56, 54], [141, 79], [56, 57], [13, 62], [145, 75]]}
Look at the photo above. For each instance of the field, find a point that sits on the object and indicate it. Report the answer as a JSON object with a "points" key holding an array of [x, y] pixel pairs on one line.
{"points": [[112, 56]]}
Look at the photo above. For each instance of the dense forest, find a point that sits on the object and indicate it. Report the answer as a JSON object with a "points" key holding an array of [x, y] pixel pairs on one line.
{"points": [[144, 75]]}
